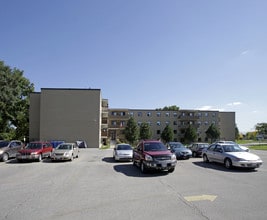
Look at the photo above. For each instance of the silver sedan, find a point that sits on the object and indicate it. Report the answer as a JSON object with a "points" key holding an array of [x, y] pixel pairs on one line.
{"points": [[65, 151], [231, 155], [123, 152]]}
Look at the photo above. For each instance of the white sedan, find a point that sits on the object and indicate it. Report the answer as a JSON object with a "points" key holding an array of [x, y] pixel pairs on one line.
{"points": [[123, 152], [231, 155]]}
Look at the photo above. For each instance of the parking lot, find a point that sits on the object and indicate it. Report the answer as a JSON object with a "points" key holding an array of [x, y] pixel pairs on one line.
{"points": [[95, 187]]}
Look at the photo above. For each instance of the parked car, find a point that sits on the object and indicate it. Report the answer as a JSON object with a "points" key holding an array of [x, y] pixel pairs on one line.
{"points": [[65, 151], [230, 154], [197, 148], [232, 142], [153, 155], [9, 149], [35, 151], [180, 151], [123, 152], [81, 144]]}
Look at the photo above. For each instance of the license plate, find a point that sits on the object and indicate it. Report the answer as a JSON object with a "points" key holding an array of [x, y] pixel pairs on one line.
{"points": [[164, 165]]}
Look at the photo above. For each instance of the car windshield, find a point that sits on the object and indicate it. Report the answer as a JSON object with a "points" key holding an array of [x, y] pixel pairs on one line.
{"points": [[154, 147], [64, 147], [34, 146], [176, 145], [124, 147], [201, 146], [3, 144], [232, 148]]}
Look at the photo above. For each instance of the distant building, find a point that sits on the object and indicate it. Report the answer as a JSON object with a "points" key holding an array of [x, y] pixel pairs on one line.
{"points": [[177, 120], [82, 114]]}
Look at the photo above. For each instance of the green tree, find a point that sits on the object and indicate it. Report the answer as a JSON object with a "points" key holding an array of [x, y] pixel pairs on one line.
{"points": [[261, 128], [237, 135], [167, 134], [168, 108], [145, 132], [131, 131], [14, 103], [213, 133], [190, 134]]}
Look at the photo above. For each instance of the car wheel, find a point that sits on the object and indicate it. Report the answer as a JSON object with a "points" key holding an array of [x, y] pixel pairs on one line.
{"points": [[205, 158], [143, 168], [40, 158], [171, 170], [5, 157], [228, 163], [71, 158]]}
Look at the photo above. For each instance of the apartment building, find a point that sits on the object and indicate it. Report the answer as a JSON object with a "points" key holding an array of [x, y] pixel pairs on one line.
{"points": [[82, 114], [177, 120], [69, 115]]}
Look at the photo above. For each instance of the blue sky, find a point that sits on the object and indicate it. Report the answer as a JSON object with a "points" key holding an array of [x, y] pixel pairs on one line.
{"points": [[196, 54]]}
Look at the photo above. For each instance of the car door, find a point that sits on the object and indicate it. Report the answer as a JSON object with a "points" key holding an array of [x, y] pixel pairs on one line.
{"points": [[218, 154], [14, 147], [210, 152]]}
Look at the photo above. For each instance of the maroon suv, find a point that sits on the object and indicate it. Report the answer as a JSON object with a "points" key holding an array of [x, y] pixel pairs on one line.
{"points": [[153, 155], [35, 151]]}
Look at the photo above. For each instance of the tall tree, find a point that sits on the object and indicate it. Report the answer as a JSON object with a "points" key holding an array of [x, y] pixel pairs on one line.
{"points": [[190, 134], [14, 103], [213, 132], [131, 131], [167, 134], [261, 128], [145, 132]]}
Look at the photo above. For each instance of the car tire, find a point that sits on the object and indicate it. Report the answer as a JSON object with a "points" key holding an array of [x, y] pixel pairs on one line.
{"points": [[5, 157], [228, 163], [205, 158], [171, 170], [143, 168], [71, 158]]}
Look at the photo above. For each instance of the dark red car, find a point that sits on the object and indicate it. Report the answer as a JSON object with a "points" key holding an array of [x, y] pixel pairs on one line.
{"points": [[35, 151], [154, 155]]}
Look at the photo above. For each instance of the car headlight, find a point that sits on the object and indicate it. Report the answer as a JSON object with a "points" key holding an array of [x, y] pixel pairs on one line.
{"points": [[148, 158], [1, 151], [34, 153], [66, 154], [173, 157]]}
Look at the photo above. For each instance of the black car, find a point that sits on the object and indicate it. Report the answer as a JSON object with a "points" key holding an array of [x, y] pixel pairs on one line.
{"points": [[197, 148]]}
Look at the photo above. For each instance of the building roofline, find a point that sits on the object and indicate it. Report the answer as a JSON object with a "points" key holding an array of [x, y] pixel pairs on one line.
{"points": [[69, 89]]}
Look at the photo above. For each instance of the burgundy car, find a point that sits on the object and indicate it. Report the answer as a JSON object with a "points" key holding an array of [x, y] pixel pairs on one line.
{"points": [[35, 151]]}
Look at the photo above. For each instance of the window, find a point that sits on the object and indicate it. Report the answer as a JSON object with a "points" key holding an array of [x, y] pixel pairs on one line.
{"points": [[139, 114], [175, 131], [167, 122], [122, 114], [206, 114], [148, 114], [174, 122], [175, 114], [158, 131], [167, 114], [131, 114], [158, 123], [139, 123], [114, 113], [158, 114], [114, 123]]}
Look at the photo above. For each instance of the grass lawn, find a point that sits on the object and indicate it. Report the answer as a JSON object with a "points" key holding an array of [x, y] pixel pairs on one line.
{"points": [[258, 147]]}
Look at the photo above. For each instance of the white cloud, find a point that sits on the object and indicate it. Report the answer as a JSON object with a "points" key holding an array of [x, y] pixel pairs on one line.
{"points": [[244, 52], [234, 103], [209, 108]]}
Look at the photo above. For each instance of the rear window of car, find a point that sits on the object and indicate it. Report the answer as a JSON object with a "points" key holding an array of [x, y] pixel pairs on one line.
{"points": [[124, 147], [64, 147]]}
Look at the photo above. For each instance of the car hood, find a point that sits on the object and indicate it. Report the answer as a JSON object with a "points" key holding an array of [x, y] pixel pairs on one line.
{"points": [[29, 151], [183, 150], [124, 151], [244, 155], [61, 151], [155, 153]]}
